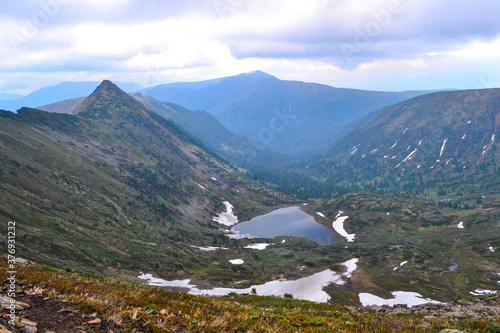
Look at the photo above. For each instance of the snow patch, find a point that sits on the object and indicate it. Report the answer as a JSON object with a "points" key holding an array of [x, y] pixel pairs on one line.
{"points": [[401, 265], [492, 249], [493, 137], [481, 292], [394, 145], [227, 218], [400, 297], [461, 225], [237, 262], [420, 142], [338, 226], [320, 214], [470, 121], [214, 178], [283, 241], [258, 246], [442, 147], [351, 266], [355, 150], [203, 187], [409, 156], [464, 136], [308, 288], [209, 248], [405, 130]]}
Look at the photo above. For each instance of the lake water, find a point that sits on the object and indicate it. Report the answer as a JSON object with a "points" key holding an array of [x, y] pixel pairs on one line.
{"points": [[289, 221]]}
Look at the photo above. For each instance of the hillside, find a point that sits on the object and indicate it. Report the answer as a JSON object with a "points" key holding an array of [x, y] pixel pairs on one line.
{"points": [[62, 301], [237, 149], [446, 136], [288, 116], [440, 144], [113, 185]]}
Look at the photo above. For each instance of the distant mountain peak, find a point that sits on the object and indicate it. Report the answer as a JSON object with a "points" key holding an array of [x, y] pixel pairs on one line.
{"points": [[109, 101], [258, 73]]}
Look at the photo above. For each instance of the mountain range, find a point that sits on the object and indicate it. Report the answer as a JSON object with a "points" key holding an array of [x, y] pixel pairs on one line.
{"points": [[115, 184], [288, 116], [122, 183]]}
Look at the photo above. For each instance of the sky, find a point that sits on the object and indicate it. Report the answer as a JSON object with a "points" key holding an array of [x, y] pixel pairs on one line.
{"points": [[388, 45]]}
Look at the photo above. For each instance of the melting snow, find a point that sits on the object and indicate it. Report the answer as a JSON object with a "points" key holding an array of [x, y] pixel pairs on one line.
{"points": [[209, 248], [442, 147], [355, 150], [464, 136], [338, 226], [493, 137], [460, 225], [283, 241], [214, 178], [237, 262], [400, 297], [258, 246], [203, 187], [308, 288], [394, 145], [492, 249], [227, 218], [405, 130], [401, 265], [420, 142], [481, 292], [374, 150], [409, 156], [320, 214], [470, 121], [419, 166]]}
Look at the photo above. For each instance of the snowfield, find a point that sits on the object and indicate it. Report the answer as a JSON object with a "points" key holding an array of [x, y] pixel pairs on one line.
{"points": [[237, 262], [308, 288], [338, 226], [209, 248], [258, 246], [400, 297], [227, 218]]}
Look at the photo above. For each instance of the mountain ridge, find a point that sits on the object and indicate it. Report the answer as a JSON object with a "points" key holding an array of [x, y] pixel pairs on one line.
{"points": [[277, 112]]}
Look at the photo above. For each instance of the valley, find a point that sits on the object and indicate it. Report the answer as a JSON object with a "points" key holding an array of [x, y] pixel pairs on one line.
{"points": [[112, 184]]}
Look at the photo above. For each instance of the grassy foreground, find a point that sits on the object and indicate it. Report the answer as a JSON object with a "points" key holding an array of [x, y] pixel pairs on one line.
{"points": [[129, 305]]}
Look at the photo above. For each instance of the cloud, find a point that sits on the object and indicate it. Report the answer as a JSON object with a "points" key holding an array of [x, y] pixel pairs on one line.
{"points": [[331, 41]]}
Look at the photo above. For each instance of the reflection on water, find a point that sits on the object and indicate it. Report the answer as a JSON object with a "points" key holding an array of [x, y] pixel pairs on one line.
{"points": [[289, 221]]}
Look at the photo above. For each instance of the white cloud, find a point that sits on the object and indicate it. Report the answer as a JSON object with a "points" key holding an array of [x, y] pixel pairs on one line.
{"points": [[292, 39]]}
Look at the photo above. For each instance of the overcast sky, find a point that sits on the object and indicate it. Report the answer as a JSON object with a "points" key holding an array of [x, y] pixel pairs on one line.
{"points": [[366, 44]]}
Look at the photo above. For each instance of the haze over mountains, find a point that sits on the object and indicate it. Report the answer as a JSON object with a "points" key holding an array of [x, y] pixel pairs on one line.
{"points": [[288, 116]]}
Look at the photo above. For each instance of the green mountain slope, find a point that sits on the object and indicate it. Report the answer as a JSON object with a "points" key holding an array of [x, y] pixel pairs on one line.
{"points": [[237, 149], [443, 143], [115, 186], [288, 116], [446, 136]]}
